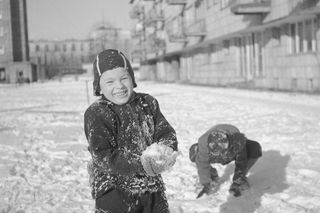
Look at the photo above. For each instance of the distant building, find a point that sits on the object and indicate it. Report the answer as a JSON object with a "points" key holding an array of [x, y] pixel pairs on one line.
{"points": [[270, 44], [15, 65], [72, 56], [59, 57]]}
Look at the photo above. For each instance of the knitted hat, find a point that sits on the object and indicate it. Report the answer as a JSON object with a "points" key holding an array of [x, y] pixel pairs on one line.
{"points": [[107, 60], [193, 151], [218, 142]]}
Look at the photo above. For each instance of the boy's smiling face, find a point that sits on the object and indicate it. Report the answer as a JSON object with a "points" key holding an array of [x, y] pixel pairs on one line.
{"points": [[116, 85]]}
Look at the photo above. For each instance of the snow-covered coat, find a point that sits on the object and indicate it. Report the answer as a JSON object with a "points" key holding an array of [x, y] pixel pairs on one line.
{"points": [[209, 153], [117, 135]]}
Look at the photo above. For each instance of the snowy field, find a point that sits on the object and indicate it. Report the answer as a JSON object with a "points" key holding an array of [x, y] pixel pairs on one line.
{"points": [[43, 151]]}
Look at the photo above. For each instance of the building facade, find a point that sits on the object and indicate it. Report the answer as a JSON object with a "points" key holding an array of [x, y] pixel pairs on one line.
{"points": [[59, 57], [72, 56], [269, 44], [15, 65]]}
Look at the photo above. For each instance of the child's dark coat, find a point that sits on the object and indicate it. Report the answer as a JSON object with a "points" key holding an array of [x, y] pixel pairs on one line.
{"points": [[236, 151], [117, 135]]}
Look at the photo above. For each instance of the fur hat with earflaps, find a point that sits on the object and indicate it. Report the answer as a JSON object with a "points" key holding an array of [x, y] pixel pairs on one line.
{"points": [[107, 60]]}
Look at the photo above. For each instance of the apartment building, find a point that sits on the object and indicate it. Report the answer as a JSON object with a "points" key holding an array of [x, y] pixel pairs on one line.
{"points": [[59, 57], [73, 56], [15, 65], [269, 44]]}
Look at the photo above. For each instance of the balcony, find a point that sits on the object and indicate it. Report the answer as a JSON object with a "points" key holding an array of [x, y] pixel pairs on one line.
{"points": [[132, 1], [196, 28], [154, 16], [176, 2], [177, 38], [176, 34], [248, 7], [154, 43], [136, 33], [136, 11]]}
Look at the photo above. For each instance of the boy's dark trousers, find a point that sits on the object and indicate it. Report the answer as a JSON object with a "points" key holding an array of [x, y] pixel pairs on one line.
{"points": [[253, 153], [118, 201]]}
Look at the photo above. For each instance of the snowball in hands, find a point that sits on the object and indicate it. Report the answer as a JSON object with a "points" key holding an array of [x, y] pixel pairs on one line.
{"points": [[158, 158]]}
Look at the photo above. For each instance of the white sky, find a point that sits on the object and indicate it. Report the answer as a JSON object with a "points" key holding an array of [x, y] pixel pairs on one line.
{"points": [[60, 19]]}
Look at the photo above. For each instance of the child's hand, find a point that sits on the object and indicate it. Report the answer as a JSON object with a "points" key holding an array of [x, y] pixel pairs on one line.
{"points": [[158, 166], [158, 158], [205, 190], [238, 186], [147, 165]]}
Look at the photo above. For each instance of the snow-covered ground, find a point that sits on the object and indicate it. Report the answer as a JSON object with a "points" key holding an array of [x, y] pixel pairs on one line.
{"points": [[43, 151]]}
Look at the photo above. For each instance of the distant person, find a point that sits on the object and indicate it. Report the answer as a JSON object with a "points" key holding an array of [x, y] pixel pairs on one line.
{"points": [[224, 143], [130, 141]]}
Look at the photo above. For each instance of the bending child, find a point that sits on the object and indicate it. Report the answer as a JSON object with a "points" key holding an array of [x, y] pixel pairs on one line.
{"points": [[120, 127], [223, 144]]}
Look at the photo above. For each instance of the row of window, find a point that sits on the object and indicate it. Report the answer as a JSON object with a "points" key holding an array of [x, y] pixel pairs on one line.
{"points": [[196, 12], [223, 3], [297, 37], [62, 60], [63, 47], [303, 36], [226, 3]]}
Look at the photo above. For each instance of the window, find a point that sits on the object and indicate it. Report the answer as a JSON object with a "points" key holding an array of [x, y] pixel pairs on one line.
{"points": [[91, 46], [1, 31], [293, 38], [64, 47], [200, 10], [56, 48], [302, 36], [2, 74], [1, 50], [308, 36], [37, 48], [276, 36], [46, 48], [224, 3], [73, 47], [215, 53], [226, 46]]}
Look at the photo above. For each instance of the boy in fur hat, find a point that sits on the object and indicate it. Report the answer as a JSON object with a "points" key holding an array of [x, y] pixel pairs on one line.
{"points": [[224, 143], [120, 127]]}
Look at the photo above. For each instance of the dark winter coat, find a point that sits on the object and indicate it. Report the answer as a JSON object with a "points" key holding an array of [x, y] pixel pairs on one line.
{"points": [[117, 135], [209, 153]]}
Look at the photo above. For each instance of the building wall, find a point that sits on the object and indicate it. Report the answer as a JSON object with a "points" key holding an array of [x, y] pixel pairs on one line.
{"points": [[60, 57], [20, 30], [5, 32], [14, 42], [274, 50]]}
